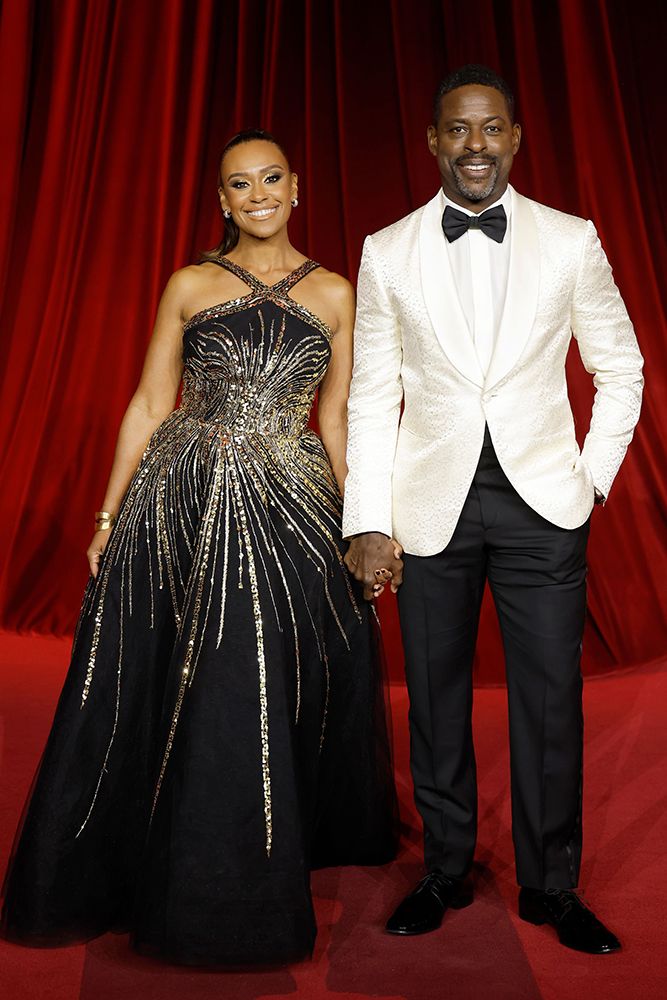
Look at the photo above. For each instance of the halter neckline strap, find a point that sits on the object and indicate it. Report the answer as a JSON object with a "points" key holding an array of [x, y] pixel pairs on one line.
{"points": [[258, 285]]}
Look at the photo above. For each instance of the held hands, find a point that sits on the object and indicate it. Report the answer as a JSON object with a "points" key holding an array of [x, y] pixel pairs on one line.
{"points": [[374, 560]]}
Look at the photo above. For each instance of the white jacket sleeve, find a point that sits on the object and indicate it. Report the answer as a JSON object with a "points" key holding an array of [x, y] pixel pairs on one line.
{"points": [[374, 406], [609, 351]]}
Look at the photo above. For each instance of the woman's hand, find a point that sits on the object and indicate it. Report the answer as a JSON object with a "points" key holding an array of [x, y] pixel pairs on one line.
{"points": [[96, 548], [383, 576]]}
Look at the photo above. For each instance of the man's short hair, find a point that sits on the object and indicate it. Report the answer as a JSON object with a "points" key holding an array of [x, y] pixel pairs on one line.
{"points": [[473, 73]]}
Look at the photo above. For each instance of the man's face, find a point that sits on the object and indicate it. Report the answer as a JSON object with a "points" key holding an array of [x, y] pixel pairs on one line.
{"points": [[474, 143]]}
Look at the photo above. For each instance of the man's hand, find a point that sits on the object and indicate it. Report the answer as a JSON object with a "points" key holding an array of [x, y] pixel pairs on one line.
{"points": [[374, 559]]}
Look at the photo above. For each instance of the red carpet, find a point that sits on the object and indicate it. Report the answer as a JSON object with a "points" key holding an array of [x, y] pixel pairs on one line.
{"points": [[481, 953]]}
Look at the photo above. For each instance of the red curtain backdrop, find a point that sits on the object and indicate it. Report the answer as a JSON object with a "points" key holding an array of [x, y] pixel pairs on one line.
{"points": [[113, 117]]}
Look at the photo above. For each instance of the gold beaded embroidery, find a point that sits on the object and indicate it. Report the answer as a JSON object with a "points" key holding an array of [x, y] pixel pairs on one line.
{"points": [[237, 448]]}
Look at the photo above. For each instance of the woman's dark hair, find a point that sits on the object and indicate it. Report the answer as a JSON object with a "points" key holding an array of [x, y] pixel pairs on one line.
{"points": [[230, 236]]}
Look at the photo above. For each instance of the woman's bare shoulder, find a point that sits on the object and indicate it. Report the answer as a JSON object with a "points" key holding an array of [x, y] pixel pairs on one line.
{"points": [[191, 285], [333, 298], [335, 285], [189, 278]]}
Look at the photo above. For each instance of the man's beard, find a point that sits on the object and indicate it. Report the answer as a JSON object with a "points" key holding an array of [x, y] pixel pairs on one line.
{"points": [[475, 194]]}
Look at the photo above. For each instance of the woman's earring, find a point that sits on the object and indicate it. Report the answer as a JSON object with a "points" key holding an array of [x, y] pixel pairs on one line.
{"points": [[227, 214], [295, 202]]}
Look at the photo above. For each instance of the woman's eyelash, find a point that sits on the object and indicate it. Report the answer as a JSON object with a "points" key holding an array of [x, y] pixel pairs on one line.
{"points": [[269, 177]]}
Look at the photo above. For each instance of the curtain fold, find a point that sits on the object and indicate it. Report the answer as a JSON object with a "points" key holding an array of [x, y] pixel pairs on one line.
{"points": [[113, 115]]}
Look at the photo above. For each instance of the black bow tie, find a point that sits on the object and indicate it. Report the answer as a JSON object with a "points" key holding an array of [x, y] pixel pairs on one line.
{"points": [[493, 222]]}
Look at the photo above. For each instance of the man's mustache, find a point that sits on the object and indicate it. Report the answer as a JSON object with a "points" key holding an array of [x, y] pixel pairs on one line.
{"points": [[463, 161]]}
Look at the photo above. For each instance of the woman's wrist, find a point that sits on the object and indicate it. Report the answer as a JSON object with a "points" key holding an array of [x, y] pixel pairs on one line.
{"points": [[104, 520]]}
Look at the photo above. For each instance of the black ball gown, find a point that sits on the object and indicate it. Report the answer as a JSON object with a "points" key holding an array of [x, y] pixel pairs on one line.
{"points": [[221, 730]]}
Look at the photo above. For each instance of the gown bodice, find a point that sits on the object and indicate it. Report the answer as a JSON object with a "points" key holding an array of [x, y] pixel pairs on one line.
{"points": [[253, 364]]}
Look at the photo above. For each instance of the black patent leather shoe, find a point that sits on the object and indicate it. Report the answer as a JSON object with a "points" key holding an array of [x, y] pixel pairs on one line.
{"points": [[424, 908], [577, 926]]}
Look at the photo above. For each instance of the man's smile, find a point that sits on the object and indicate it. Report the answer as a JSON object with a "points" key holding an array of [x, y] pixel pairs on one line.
{"points": [[475, 168]]}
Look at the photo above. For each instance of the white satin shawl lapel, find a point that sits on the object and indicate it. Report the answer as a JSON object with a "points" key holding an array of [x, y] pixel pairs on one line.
{"points": [[523, 284], [441, 296]]}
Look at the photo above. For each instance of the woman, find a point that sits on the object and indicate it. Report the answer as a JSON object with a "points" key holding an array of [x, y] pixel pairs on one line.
{"points": [[221, 729]]}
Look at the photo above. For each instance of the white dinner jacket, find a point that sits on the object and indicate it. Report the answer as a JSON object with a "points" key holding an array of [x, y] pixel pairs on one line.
{"points": [[409, 474]]}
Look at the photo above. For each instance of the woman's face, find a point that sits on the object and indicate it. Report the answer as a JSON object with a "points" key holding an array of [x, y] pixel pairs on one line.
{"points": [[257, 187]]}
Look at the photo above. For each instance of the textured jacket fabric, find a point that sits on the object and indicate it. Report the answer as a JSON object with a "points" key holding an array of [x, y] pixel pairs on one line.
{"points": [[410, 472]]}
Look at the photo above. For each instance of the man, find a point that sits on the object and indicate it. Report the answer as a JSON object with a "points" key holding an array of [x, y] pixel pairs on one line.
{"points": [[465, 313]]}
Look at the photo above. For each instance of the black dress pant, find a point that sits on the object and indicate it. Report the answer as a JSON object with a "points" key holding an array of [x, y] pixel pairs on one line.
{"points": [[537, 575]]}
